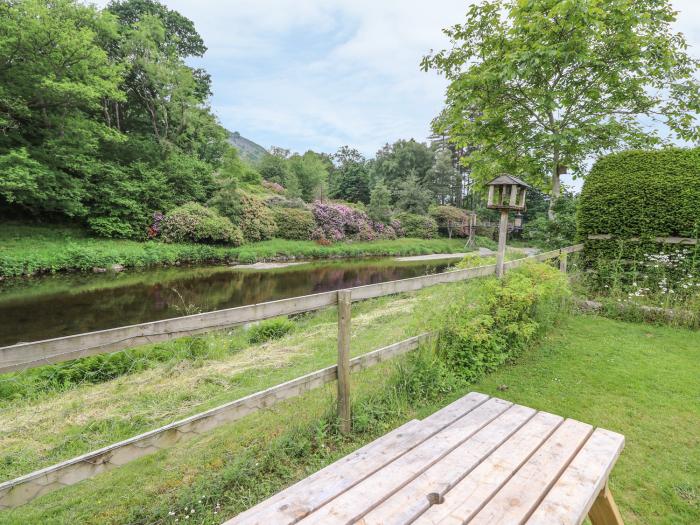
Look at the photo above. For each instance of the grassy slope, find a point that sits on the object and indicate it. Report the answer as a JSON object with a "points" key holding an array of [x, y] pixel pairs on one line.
{"points": [[46, 427], [639, 380], [35, 249]]}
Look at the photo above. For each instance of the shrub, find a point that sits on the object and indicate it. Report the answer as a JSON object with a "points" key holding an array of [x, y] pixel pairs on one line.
{"points": [[269, 330], [451, 220], [248, 212], [273, 186], [294, 223], [336, 222], [193, 222], [277, 201], [640, 194], [475, 339], [257, 221], [420, 226], [557, 232]]}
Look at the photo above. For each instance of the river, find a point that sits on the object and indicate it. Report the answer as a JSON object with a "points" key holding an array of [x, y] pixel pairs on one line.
{"points": [[59, 305]]}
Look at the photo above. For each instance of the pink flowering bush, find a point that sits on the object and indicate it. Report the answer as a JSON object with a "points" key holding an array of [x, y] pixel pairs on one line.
{"points": [[337, 222], [273, 186]]}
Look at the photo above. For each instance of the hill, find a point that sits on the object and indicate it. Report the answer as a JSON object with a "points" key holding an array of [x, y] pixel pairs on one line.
{"points": [[248, 149]]}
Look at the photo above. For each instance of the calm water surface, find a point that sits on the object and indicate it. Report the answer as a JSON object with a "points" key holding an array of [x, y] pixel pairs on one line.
{"points": [[54, 306]]}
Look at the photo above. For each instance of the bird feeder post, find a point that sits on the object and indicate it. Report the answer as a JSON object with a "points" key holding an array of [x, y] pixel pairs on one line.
{"points": [[506, 193], [502, 234]]}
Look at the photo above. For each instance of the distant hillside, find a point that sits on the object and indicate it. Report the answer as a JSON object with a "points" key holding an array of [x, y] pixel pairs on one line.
{"points": [[248, 149]]}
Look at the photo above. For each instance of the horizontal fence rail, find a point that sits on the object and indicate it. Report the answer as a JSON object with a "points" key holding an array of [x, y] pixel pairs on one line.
{"points": [[25, 488], [23, 356], [662, 240], [28, 355]]}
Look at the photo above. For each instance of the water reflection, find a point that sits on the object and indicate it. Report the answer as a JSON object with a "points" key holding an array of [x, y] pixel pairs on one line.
{"points": [[69, 304]]}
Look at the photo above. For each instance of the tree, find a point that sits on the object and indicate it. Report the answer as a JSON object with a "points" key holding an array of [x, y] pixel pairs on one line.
{"points": [[396, 161], [312, 173], [350, 178], [537, 85], [101, 120], [412, 196], [444, 180], [379, 208], [53, 76], [274, 169]]}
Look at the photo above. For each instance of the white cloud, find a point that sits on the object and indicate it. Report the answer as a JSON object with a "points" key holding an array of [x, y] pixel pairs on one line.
{"points": [[317, 74]]}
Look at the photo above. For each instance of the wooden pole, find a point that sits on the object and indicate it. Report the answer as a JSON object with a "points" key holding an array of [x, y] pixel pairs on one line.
{"points": [[502, 234], [562, 262], [344, 311]]}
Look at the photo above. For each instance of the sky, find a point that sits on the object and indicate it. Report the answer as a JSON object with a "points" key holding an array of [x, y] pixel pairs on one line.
{"points": [[319, 74]]}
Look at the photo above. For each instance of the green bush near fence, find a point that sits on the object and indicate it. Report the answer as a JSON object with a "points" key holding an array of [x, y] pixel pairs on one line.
{"points": [[642, 194], [636, 196], [477, 338]]}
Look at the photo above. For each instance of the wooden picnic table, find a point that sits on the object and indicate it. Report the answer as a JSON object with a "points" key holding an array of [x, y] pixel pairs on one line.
{"points": [[478, 460]]}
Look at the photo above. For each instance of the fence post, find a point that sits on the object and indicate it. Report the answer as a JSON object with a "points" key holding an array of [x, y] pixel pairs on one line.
{"points": [[344, 311], [562, 262], [502, 235]]}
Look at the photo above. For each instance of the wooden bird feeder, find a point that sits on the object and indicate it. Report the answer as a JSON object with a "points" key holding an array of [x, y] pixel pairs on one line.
{"points": [[506, 193]]}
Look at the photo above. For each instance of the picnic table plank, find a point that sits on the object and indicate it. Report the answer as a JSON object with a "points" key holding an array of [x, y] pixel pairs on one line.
{"points": [[479, 460], [467, 496], [574, 493], [354, 502], [521, 494], [302, 498], [415, 498]]}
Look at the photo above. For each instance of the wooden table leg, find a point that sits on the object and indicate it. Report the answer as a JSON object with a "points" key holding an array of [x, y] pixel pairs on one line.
{"points": [[604, 510]]}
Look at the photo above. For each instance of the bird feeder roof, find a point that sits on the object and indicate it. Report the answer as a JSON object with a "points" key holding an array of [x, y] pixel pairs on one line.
{"points": [[507, 180]]}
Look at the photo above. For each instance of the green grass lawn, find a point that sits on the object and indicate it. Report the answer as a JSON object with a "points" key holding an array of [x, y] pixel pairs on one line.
{"points": [[639, 380], [26, 250]]}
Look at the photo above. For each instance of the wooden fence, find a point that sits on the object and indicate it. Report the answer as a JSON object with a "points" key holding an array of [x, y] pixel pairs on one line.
{"points": [[28, 355], [661, 240]]}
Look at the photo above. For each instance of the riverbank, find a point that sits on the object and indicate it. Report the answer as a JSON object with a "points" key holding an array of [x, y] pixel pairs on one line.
{"points": [[30, 250]]}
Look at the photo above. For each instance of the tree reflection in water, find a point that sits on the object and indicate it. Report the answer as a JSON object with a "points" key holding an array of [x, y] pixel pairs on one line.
{"points": [[60, 305]]}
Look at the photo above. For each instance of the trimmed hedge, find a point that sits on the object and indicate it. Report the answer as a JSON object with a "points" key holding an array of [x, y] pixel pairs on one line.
{"points": [[642, 194], [294, 223]]}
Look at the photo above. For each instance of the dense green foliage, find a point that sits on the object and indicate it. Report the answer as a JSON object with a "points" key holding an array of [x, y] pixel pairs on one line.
{"points": [[101, 118], [294, 223], [636, 196], [420, 226], [257, 220], [643, 194], [193, 222], [556, 232], [516, 309], [538, 85], [379, 208]]}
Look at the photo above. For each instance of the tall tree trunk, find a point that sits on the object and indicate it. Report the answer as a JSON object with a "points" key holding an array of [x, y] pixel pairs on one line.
{"points": [[556, 184]]}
